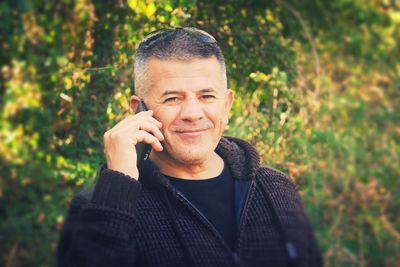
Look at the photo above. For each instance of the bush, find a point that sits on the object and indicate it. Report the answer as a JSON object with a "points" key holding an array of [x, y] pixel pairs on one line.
{"points": [[317, 87]]}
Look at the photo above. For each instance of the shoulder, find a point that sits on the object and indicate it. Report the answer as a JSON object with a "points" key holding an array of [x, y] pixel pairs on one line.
{"points": [[282, 192], [269, 173], [275, 180], [81, 199], [86, 194]]}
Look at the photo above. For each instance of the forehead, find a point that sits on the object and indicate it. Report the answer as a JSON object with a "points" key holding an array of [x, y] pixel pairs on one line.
{"points": [[193, 74]]}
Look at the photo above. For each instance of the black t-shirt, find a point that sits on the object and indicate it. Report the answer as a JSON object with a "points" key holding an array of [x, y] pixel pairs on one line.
{"points": [[214, 197]]}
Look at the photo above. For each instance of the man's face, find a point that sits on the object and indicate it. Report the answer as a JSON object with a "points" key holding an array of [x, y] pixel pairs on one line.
{"points": [[189, 98]]}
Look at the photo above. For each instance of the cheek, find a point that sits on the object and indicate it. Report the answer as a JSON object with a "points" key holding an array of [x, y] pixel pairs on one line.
{"points": [[217, 115], [166, 117]]}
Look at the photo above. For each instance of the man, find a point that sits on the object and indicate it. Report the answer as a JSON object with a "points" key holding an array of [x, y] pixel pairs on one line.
{"points": [[201, 199]]}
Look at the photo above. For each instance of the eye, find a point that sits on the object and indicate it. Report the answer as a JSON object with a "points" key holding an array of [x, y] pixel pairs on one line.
{"points": [[208, 97], [171, 99]]}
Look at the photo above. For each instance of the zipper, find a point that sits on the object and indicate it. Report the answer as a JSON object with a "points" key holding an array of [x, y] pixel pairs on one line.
{"points": [[241, 221], [182, 197]]}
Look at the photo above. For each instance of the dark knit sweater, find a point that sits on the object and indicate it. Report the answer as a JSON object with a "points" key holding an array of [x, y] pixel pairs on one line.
{"points": [[215, 199], [148, 223]]}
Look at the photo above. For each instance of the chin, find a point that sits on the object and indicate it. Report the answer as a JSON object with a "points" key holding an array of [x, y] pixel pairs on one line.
{"points": [[196, 152], [192, 156]]}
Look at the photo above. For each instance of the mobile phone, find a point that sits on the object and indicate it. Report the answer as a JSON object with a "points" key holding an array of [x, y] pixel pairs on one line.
{"points": [[142, 149]]}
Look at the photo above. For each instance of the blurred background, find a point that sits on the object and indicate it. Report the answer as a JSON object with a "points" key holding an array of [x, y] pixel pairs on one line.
{"points": [[317, 91]]}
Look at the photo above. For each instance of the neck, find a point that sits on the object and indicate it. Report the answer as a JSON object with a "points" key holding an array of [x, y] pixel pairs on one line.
{"points": [[206, 169]]}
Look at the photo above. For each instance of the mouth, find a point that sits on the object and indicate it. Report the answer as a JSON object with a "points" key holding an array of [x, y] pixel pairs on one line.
{"points": [[191, 132]]}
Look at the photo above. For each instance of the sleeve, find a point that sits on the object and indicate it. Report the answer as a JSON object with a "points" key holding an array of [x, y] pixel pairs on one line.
{"points": [[312, 257], [99, 232], [299, 229], [312, 254]]}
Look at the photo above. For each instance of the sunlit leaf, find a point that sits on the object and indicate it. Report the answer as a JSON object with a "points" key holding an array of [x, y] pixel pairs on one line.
{"points": [[150, 10], [132, 4]]}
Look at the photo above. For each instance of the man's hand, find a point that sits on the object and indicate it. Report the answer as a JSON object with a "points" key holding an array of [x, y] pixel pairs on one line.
{"points": [[120, 141]]}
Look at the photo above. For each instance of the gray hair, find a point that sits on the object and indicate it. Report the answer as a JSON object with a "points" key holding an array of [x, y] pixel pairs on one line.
{"points": [[182, 44]]}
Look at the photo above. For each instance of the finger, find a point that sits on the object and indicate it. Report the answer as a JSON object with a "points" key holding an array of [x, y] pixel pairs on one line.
{"points": [[143, 136], [153, 120], [129, 128], [122, 123], [146, 115], [133, 122], [150, 127]]}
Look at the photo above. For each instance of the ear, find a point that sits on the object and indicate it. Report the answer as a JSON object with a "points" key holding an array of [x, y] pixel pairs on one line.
{"points": [[229, 100], [134, 103]]}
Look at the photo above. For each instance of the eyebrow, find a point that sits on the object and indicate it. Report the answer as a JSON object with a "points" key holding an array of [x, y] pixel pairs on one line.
{"points": [[175, 92]]}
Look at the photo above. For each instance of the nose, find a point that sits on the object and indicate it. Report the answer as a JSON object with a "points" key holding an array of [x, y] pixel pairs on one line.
{"points": [[191, 110]]}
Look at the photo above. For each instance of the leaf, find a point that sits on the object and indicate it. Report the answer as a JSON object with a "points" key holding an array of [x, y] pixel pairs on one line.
{"points": [[132, 4], [168, 8], [68, 83], [150, 10]]}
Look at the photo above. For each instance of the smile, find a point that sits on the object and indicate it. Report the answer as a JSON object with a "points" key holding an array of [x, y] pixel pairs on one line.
{"points": [[191, 132]]}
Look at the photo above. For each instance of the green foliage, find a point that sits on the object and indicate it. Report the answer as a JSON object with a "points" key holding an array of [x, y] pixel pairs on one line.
{"points": [[317, 92]]}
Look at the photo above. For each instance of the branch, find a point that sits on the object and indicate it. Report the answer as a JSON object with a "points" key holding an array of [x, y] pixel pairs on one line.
{"points": [[310, 39]]}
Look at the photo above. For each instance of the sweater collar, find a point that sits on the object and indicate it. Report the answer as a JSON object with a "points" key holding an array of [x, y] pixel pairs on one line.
{"points": [[242, 159]]}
